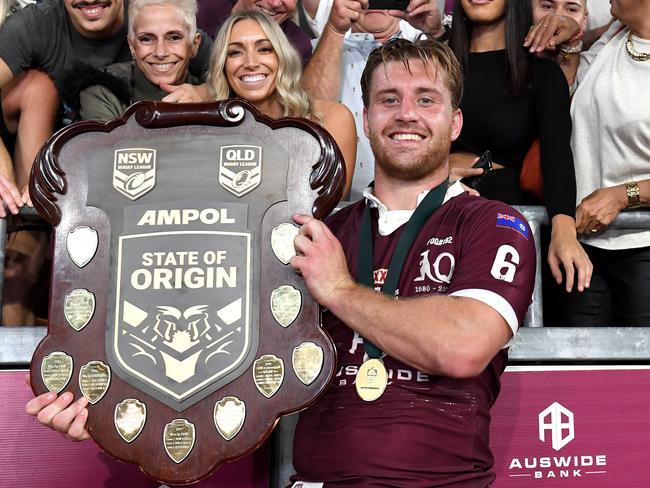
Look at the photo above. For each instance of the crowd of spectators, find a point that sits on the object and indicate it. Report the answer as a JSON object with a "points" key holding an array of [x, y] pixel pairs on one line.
{"points": [[66, 60]]}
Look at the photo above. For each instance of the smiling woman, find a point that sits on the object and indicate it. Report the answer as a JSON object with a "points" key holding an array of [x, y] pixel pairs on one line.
{"points": [[253, 60], [163, 40], [510, 99]]}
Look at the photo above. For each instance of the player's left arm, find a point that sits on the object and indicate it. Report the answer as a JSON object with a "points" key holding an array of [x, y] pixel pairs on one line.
{"points": [[448, 335]]}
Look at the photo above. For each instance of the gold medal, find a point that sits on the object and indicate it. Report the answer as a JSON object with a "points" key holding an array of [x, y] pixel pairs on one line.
{"points": [[371, 380]]}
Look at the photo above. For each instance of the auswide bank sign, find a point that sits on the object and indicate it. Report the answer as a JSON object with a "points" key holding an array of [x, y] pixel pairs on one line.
{"points": [[556, 425], [584, 426]]}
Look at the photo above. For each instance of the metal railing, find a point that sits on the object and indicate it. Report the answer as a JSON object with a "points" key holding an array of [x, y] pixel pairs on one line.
{"points": [[534, 342]]}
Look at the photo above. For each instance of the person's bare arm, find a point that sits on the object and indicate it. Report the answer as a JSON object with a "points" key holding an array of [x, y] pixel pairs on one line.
{"points": [[551, 31], [566, 253], [321, 78], [423, 15], [435, 334], [599, 209], [339, 122], [9, 194]]}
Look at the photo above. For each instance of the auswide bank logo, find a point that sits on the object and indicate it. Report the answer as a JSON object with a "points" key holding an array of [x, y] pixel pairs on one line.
{"points": [[559, 421], [556, 426]]}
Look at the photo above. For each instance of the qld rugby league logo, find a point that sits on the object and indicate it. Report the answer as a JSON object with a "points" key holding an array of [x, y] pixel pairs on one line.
{"points": [[240, 168], [134, 171]]}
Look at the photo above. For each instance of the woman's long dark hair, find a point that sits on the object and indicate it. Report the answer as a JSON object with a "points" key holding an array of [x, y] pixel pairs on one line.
{"points": [[519, 18]]}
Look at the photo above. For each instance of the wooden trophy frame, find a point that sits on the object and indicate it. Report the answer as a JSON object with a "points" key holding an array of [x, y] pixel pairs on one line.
{"points": [[172, 306]]}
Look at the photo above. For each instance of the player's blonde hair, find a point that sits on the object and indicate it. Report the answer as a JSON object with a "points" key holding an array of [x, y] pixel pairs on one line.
{"points": [[404, 51]]}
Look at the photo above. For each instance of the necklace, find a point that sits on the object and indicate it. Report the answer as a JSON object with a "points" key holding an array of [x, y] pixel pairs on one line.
{"points": [[635, 55]]}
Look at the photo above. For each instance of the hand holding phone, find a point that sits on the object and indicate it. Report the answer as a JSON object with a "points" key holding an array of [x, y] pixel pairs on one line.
{"points": [[388, 4], [484, 163]]}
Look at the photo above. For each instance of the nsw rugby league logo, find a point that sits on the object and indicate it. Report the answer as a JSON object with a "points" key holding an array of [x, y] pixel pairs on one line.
{"points": [[240, 168], [134, 171]]}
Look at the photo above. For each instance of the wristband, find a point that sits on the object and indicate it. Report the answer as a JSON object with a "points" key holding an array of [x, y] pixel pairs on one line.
{"points": [[633, 194], [569, 49]]}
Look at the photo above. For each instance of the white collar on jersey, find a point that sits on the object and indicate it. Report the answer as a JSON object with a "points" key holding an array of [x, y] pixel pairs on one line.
{"points": [[391, 220]]}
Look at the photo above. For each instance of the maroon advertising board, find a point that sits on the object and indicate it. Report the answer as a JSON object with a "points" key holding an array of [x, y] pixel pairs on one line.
{"points": [[568, 427], [595, 423], [36, 457]]}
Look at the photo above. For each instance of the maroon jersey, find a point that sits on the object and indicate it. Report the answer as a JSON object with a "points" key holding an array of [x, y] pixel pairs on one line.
{"points": [[425, 430]]}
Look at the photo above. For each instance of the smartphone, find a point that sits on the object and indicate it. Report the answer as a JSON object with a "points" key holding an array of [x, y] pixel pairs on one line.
{"points": [[485, 163], [388, 4]]}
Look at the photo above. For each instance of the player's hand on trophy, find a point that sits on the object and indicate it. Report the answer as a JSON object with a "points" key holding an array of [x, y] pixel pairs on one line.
{"points": [[61, 413], [320, 260]]}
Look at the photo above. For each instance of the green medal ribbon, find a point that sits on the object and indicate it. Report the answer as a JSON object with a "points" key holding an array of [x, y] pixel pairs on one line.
{"points": [[365, 268]]}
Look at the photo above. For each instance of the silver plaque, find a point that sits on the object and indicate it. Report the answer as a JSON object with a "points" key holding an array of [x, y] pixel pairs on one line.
{"points": [[56, 371], [94, 379], [307, 361], [282, 238], [79, 307], [130, 417], [268, 374], [285, 304], [82, 245], [179, 437], [229, 416]]}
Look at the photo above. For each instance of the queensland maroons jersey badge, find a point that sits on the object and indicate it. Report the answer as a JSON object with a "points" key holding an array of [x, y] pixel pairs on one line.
{"points": [[134, 172], [240, 168]]}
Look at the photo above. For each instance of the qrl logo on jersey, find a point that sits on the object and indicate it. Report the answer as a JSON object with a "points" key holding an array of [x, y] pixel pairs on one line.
{"points": [[134, 171], [240, 168]]}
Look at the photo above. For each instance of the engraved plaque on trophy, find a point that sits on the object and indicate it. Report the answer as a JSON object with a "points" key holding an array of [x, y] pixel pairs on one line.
{"points": [[268, 374], [179, 438], [229, 416], [94, 380], [173, 307], [307, 361], [130, 417], [79, 307], [56, 370], [285, 304]]}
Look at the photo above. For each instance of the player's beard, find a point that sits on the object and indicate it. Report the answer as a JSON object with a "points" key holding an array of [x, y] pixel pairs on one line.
{"points": [[411, 165]]}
